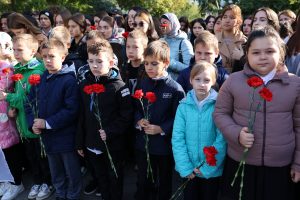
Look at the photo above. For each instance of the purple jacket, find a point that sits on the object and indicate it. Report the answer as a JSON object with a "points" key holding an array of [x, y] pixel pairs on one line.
{"points": [[8, 133], [277, 126]]}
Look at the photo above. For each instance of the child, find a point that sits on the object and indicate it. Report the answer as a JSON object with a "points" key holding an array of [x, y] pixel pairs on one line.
{"points": [[273, 158], [189, 139], [206, 49], [159, 126], [57, 106], [9, 136], [134, 70], [25, 47], [231, 38], [115, 108]]}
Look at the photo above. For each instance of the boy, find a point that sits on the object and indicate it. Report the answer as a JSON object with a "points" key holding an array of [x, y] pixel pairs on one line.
{"points": [[206, 48], [25, 47], [58, 108], [116, 116], [159, 126], [134, 70], [46, 22]]}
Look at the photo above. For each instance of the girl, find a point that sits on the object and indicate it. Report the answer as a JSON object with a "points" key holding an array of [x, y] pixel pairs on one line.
{"points": [[286, 16], [210, 21], [78, 50], [143, 21], [231, 38], [197, 26], [218, 25], [109, 30], [62, 18], [265, 16], [130, 17], [189, 139], [9, 136], [184, 24], [246, 27], [273, 158], [181, 48]]}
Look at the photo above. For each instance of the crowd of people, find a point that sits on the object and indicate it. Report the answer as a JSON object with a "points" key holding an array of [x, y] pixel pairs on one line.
{"points": [[96, 92]]}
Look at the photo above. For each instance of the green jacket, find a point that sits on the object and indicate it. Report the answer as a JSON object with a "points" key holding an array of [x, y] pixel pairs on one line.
{"points": [[17, 99]]}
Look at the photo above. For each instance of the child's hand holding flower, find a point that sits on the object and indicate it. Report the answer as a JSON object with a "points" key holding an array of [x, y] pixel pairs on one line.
{"points": [[39, 123], [246, 138], [143, 123], [12, 112], [152, 129]]}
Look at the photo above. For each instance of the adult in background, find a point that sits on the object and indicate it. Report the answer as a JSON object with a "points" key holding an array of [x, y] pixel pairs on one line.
{"points": [[181, 48]]}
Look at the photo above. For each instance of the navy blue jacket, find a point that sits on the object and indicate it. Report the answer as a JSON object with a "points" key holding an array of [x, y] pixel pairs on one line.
{"points": [[58, 99], [184, 76], [162, 113]]}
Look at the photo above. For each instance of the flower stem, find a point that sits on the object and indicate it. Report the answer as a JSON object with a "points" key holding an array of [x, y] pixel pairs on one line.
{"points": [[110, 160], [180, 190], [242, 162], [149, 167]]}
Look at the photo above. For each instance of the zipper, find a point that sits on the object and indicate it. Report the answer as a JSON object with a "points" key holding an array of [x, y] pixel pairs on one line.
{"points": [[264, 134]]}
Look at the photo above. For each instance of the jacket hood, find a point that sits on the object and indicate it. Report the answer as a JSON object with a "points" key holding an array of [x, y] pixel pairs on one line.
{"points": [[67, 68], [32, 64], [113, 75], [175, 25], [192, 99]]}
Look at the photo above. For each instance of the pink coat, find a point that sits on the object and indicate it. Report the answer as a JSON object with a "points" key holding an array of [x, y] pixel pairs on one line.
{"points": [[9, 135], [277, 127]]}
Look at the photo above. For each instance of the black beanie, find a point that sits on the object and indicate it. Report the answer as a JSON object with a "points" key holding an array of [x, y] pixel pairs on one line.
{"points": [[48, 14]]}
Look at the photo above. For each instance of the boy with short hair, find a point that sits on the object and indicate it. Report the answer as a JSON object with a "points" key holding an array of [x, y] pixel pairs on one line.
{"points": [[116, 113], [134, 70], [159, 127], [58, 107], [25, 47], [207, 49]]}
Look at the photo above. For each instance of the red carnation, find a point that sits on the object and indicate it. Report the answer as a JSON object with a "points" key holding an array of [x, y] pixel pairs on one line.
{"points": [[164, 25], [138, 94], [125, 34], [88, 89], [210, 153], [266, 94], [150, 96], [93, 27], [34, 79], [6, 71], [98, 88], [16, 77], [255, 81]]}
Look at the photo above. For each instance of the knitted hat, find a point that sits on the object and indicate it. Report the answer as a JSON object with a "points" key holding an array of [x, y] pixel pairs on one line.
{"points": [[48, 14]]}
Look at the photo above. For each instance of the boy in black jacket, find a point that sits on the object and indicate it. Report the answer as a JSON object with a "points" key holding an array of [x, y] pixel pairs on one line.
{"points": [[159, 126], [116, 113]]}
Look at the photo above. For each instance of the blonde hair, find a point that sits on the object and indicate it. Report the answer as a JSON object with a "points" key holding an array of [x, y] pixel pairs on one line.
{"points": [[202, 66], [61, 33], [28, 40], [158, 49], [56, 44], [207, 39], [138, 34]]}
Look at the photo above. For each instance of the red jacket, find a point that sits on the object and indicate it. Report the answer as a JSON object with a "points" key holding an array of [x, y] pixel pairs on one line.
{"points": [[277, 126]]}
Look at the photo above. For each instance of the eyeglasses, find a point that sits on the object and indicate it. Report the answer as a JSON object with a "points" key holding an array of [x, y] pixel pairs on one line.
{"points": [[140, 24]]}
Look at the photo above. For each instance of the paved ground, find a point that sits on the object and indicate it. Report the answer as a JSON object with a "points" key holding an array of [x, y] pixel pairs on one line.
{"points": [[129, 186]]}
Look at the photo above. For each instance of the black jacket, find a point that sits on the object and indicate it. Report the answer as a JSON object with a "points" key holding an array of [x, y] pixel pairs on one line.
{"points": [[162, 113], [115, 109]]}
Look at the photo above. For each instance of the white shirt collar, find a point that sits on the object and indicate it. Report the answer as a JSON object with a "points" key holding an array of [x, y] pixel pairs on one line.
{"points": [[269, 76]]}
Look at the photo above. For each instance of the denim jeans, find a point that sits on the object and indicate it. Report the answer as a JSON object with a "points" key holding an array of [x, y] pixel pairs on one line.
{"points": [[65, 173]]}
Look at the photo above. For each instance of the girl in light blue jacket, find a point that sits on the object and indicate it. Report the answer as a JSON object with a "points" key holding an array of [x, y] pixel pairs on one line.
{"points": [[195, 129]]}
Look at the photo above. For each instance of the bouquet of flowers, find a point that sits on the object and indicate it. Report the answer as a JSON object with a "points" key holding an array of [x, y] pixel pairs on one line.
{"points": [[94, 90], [33, 80], [265, 95], [210, 153], [150, 99]]}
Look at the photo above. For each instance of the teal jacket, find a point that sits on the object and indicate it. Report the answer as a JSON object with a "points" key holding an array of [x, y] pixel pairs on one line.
{"points": [[193, 130]]}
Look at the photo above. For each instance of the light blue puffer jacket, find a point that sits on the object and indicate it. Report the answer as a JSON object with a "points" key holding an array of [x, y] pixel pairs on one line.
{"points": [[193, 130]]}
